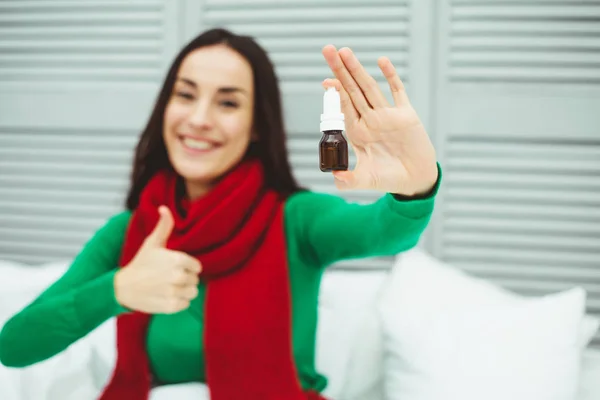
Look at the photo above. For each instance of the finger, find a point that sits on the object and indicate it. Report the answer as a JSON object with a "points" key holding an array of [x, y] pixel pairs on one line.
{"points": [[193, 266], [339, 70], [187, 262], [350, 113], [396, 85], [192, 279], [352, 180], [183, 277], [160, 235], [178, 276], [175, 305], [188, 293], [366, 82]]}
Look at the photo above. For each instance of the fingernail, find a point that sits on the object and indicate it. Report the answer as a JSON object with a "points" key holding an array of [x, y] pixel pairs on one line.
{"points": [[339, 178]]}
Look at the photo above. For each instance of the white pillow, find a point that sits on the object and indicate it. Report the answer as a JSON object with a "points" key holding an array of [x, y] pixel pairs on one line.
{"points": [[21, 284], [589, 384], [452, 287], [589, 329], [181, 391], [451, 336], [66, 376], [349, 349]]}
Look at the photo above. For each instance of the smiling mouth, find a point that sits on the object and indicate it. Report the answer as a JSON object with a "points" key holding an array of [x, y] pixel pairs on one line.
{"points": [[197, 145]]}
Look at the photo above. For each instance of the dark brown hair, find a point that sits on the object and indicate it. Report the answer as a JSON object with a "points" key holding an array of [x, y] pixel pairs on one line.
{"points": [[270, 148]]}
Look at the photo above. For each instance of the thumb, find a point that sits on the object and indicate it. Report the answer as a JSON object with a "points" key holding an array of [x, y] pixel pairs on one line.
{"points": [[344, 180], [352, 180], [162, 230]]}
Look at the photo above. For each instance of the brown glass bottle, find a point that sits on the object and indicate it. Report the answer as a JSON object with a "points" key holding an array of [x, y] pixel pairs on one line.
{"points": [[333, 152]]}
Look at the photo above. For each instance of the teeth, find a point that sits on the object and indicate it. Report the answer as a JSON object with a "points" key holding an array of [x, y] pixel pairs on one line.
{"points": [[197, 144]]}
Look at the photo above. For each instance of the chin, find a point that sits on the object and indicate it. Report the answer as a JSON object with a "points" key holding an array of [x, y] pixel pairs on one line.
{"points": [[202, 172], [197, 173]]}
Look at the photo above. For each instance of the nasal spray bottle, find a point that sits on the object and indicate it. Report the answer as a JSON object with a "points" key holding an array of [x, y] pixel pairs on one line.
{"points": [[333, 147]]}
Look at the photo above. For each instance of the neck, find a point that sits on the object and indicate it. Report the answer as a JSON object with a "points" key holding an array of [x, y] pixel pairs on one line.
{"points": [[195, 190]]}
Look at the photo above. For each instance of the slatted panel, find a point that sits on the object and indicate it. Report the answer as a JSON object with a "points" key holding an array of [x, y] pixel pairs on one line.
{"points": [[73, 40], [527, 40], [525, 212], [77, 80], [57, 187], [293, 33]]}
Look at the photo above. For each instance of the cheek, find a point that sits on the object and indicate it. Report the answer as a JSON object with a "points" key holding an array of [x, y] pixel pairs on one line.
{"points": [[174, 115], [237, 128]]}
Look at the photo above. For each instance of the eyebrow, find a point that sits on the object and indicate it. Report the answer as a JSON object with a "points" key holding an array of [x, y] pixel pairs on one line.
{"points": [[225, 89]]}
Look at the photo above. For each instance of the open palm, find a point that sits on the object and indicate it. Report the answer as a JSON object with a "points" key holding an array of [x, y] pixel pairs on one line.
{"points": [[394, 153]]}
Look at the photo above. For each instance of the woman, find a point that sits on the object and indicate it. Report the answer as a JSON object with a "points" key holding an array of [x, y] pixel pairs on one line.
{"points": [[221, 252]]}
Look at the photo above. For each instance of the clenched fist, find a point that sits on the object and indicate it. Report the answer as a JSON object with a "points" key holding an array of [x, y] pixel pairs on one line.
{"points": [[158, 280]]}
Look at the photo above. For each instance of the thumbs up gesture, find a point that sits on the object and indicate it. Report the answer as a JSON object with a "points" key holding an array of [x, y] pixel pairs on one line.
{"points": [[158, 280]]}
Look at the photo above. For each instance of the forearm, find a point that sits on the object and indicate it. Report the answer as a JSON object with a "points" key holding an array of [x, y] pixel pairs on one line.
{"points": [[48, 327], [386, 227], [336, 230], [398, 226]]}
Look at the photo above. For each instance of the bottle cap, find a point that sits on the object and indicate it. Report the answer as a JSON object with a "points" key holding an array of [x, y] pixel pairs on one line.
{"points": [[332, 118]]}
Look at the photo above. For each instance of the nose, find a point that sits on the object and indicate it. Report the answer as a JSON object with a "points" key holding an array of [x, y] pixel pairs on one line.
{"points": [[201, 116]]}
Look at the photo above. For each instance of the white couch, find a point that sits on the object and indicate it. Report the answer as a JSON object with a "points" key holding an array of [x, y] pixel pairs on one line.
{"points": [[353, 343]]}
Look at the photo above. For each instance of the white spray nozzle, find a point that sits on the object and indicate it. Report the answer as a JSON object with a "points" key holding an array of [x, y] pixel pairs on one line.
{"points": [[331, 102], [332, 118]]}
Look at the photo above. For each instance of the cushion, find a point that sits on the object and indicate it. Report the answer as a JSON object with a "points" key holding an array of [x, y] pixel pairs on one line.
{"points": [[182, 391], [349, 349], [589, 384], [451, 335]]}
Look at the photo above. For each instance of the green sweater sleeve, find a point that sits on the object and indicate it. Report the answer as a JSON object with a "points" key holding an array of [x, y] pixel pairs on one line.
{"points": [[331, 229], [81, 300]]}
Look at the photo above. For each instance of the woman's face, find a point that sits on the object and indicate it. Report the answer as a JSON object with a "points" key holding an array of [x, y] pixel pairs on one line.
{"points": [[208, 119]]}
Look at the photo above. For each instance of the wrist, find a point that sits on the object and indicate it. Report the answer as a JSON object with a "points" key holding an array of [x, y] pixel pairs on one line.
{"points": [[428, 190], [120, 288]]}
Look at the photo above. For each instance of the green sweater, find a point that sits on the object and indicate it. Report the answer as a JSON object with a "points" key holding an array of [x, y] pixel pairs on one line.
{"points": [[320, 229]]}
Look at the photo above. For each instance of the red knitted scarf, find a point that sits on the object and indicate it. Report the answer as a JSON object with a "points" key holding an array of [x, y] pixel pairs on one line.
{"points": [[236, 231]]}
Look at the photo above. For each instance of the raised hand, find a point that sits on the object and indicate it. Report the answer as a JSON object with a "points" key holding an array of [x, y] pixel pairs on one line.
{"points": [[158, 280], [394, 153]]}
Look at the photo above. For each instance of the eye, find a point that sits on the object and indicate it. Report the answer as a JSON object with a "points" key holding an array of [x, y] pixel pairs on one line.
{"points": [[229, 104], [184, 95]]}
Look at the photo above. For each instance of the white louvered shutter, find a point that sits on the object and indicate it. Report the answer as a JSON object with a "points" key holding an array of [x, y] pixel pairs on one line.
{"points": [[77, 82], [293, 33], [518, 128]]}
